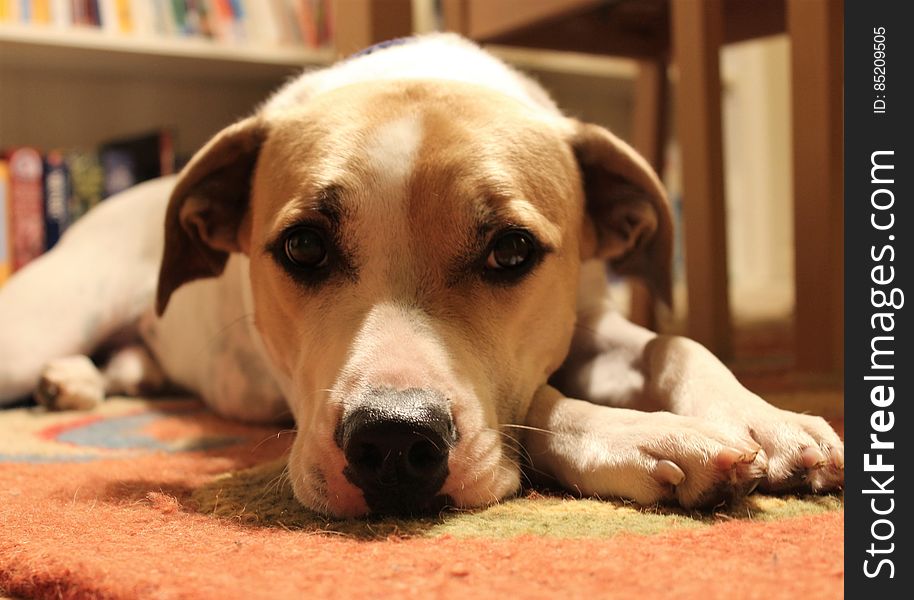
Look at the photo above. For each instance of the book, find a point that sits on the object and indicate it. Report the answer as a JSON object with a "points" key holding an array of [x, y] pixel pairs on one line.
{"points": [[26, 205], [129, 161], [87, 180], [223, 20], [40, 12], [255, 22], [163, 18], [6, 265], [262, 26], [80, 12], [179, 16], [283, 13], [116, 16], [6, 11], [61, 13], [56, 197], [307, 25]]}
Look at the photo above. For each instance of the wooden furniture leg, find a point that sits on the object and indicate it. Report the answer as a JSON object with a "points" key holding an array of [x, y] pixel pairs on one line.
{"points": [[648, 137], [697, 32], [817, 64], [361, 23]]}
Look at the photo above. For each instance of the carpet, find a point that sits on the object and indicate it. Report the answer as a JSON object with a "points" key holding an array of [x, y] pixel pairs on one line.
{"points": [[160, 499]]}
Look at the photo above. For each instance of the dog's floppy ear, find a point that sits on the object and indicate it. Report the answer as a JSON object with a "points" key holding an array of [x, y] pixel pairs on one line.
{"points": [[207, 206], [626, 207]]}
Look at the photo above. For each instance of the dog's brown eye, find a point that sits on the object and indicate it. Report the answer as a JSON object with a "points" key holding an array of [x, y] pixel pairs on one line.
{"points": [[511, 250], [305, 247]]}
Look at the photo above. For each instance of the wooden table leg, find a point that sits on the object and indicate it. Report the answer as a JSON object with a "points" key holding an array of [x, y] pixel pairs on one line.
{"points": [[648, 138], [817, 62], [697, 35], [361, 23]]}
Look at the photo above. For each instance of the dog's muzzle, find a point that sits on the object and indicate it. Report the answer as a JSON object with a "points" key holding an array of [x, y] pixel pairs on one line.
{"points": [[396, 445]]}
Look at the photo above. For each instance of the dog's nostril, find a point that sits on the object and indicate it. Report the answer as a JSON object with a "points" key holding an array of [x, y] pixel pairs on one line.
{"points": [[369, 456], [425, 455], [394, 453]]}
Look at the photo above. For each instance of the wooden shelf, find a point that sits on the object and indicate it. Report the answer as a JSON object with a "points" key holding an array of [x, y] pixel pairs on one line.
{"points": [[96, 51], [558, 61]]}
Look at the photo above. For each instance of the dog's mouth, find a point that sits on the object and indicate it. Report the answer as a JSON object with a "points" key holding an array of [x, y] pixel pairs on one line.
{"points": [[410, 506]]}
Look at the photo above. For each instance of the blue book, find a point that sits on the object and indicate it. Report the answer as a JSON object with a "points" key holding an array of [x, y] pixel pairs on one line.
{"points": [[57, 192]]}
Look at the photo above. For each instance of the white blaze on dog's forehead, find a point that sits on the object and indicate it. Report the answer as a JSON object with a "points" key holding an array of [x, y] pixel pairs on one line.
{"points": [[392, 147], [389, 154]]}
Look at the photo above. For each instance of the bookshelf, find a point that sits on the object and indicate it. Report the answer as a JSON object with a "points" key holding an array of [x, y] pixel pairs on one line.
{"points": [[76, 87], [84, 49], [72, 85]]}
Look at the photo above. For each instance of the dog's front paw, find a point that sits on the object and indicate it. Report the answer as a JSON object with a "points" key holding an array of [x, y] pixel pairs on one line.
{"points": [[803, 452], [645, 457], [70, 383], [677, 460]]}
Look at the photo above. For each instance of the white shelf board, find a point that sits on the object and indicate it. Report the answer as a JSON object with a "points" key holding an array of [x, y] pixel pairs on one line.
{"points": [[93, 50]]}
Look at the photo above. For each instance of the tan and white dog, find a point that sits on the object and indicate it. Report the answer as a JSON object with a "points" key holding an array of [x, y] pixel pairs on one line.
{"points": [[406, 251]]}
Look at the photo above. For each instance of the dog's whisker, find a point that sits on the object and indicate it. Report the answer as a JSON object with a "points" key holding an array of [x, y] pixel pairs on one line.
{"points": [[274, 436], [275, 484], [528, 427]]}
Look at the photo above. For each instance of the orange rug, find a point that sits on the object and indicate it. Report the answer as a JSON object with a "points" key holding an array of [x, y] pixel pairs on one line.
{"points": [[163, 500]]}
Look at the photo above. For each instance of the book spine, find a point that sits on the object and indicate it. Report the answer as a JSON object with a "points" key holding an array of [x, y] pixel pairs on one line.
{"points": [[179, 14], [41, 12], [261, 23], [62, 13], [87, 180], [222, 19], [6, 11], [325, 22], [284, 17], [94, 14], [307, 27], [123, 12], [239, 21], [164, 18], [26, 206], [56, 198], [144, 18], [80, 11], [6, 265], [107, 16]]}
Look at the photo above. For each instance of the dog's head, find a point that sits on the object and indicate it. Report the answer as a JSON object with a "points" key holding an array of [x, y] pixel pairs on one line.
{"points": [[414, 253]]}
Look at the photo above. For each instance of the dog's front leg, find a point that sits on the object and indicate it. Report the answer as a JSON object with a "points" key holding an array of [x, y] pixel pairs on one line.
{"points": [[646, 457], [617, 363]]}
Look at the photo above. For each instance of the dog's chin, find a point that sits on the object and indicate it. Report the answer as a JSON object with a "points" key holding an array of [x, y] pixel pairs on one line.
{"points": [[342, 504]]}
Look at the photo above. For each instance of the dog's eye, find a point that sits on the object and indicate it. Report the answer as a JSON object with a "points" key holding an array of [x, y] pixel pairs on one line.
{"points": [[511, 250], [305, 247]]}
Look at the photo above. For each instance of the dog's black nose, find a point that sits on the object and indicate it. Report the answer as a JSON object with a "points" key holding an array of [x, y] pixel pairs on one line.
{"points": [[396, 445]]}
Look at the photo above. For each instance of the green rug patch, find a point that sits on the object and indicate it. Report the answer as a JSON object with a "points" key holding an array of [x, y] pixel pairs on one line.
{"points": [[263, 496]]}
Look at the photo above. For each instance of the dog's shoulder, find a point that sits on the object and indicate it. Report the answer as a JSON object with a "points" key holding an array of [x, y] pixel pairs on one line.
{"points": [[436, 56]]}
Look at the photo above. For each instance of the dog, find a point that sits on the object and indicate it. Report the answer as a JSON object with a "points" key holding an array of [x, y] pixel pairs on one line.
{"points": [[407, 253]]}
